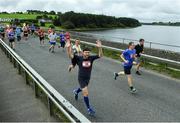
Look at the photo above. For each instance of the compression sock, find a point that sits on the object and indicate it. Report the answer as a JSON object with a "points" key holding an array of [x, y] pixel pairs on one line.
{"points": [[86, 100]]}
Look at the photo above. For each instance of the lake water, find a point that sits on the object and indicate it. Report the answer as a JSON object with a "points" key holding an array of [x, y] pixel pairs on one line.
{"points": [[169, 35]]}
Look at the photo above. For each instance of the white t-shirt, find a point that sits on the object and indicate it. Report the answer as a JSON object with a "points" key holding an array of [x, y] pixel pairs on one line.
{"points": [[52, 37]]}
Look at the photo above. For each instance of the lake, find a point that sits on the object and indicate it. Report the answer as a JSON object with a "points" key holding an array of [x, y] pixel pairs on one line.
{"points": [[169, 35]]}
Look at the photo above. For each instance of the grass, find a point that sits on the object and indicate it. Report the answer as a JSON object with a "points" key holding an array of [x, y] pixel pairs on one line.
{"points": [[22, 16]]}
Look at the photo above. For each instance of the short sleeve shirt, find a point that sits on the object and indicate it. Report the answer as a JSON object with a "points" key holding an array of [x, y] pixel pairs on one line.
{"points": [[85, 65], [129, 56]]}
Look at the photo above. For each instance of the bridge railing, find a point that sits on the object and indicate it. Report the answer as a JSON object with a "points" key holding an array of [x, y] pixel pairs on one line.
{"points": [[148, 44], [166, 61], [54, 98]]}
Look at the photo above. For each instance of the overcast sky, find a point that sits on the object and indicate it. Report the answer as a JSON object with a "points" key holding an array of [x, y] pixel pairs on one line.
{"points": [[143, 10]]}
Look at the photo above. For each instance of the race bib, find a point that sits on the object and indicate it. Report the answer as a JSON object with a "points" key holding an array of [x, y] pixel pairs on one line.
{"points": [[86, 64]]}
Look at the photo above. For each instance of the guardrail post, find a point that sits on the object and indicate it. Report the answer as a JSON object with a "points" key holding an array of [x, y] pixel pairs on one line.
{"points": [[50, 106], [36, 89], [150, 45], [14, 63], [123, 40], [19, 68], [26, 78]]}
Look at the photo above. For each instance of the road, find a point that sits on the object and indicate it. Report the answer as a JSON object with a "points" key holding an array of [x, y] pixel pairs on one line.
{"points": [[157, 98], [18, 103]]}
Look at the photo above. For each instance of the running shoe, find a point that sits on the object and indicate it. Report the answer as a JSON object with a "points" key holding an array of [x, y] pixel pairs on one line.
{"points": [[138, 73], [75, 94], [115, 75], [91, 112], [133, 90]]}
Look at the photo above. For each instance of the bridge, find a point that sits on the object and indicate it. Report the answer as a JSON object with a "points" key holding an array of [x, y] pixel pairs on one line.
{"points": [[157, 98]]}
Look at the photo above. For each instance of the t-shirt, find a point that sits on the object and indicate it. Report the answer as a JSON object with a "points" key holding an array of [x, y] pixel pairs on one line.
{"points": [[52, 37], [11, 35], [33, 27], [62, 37], [67, 36], [76, 49], [85, 65], [139, 49], [129, 56], [18, 31], [1, 30]]}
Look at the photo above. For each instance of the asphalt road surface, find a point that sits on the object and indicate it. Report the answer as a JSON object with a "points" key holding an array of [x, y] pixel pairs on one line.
{"points": [[158, 97]]}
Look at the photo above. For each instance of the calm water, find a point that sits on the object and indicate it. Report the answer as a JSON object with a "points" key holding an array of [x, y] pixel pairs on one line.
{"points": [[158, 34]]}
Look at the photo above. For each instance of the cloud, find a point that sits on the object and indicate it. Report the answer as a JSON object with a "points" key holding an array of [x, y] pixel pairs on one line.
{"points": [[144, 10]]}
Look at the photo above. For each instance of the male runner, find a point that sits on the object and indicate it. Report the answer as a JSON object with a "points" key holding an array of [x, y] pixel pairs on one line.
{"points": [[2, 33], [85, 63], [41, 36], [139, 50], [18, 32], [77, 51], [32, 28], [52, 40], [128, 57], [62, 40], [11, 37], [25, 31]]}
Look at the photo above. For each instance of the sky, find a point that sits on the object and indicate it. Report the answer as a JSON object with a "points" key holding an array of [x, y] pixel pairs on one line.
{"points": [[143, 10]]}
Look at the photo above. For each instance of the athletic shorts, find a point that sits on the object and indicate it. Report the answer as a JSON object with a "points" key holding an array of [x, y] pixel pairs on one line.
{"points": [[52, 43], [138, 60], [41, 38], [11, 40], [62, 44], [83, 82], [32, 31], [127, 70], [3, 35], [25, 35], [18, 38]]}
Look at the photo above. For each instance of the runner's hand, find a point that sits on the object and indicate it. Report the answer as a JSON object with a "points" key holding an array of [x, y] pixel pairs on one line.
{"points": [[98, 43]]}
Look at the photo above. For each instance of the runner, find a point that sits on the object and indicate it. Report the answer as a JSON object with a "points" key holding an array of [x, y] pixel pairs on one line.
{"points": [[77, 51], [52, 40], [128, 57], [41, 36], [32, 28], [62, 40], [25, 31], [11, 37], [85, 63], [139, 50], [2, 32], [18, 33]]}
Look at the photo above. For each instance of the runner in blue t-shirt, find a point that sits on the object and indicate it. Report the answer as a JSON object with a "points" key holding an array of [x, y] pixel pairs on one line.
{"points": [[11, 37], [18, 32], [128, 57], [62, 40], [32, 28]]}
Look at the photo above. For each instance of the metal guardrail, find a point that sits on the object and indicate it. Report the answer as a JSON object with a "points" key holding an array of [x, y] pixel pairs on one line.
{"points": [[54, 97], [144, 55]]}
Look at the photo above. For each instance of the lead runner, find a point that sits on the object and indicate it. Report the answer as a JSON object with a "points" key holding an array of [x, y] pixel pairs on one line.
{"points": [[85, 63]]}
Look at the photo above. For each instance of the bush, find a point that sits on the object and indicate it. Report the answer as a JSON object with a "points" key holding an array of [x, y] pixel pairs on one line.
{"points": [[68, 25], [42, 23], [52, 26]]}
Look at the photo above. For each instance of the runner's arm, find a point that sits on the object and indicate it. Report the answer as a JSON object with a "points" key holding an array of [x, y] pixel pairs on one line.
{"points": [[100, 51]]}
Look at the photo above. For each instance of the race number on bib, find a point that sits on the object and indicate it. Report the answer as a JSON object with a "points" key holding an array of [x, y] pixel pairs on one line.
{"points": [[86, 64]]}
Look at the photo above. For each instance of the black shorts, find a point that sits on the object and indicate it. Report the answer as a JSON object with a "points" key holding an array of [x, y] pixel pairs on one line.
{"points": [[83, 82], [11, 40], [32, 31], [41, 38], [127, 70], [25, 34], [3, 35], [62, 44]]}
